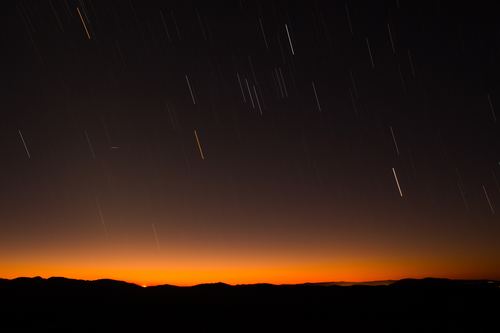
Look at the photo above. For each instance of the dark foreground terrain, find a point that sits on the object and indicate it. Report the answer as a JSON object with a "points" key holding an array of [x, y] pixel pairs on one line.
{"points": [[427, 305]]}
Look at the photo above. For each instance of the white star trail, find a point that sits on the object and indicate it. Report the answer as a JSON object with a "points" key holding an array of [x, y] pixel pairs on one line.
{"points": [[390, 38], [24, 144], [348, 18], [83, 22], [489, 201], [241, 88], [316, 95], [101, 217], [250, 94], [492, 109], [289, 39], [257, 99], [199, 145], [394, 140], [370, 52], [283, 81], [89, 144], [190, 90], [156, 236], [397, 182], [263, 33]]}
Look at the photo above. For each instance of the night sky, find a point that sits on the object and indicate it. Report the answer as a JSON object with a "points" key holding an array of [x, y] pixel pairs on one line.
{"points": [[249, 141]]}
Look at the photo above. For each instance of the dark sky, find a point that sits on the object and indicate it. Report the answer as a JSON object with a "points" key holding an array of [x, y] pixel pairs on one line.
{"points": [[249, 141]]}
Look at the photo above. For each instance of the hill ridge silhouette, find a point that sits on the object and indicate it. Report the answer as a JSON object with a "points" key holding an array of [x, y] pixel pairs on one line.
{"points": [[63, 302], [401, 282]]}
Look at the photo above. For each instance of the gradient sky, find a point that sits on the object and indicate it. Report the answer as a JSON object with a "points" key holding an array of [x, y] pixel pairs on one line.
{"points": [[104, 103]]}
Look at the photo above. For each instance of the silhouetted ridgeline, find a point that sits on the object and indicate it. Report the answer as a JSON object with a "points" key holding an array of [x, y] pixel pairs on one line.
{"points": [[404, 304]]}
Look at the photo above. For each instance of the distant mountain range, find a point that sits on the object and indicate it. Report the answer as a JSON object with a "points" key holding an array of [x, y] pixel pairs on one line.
{"points": [[419, 304], [62, 281]]}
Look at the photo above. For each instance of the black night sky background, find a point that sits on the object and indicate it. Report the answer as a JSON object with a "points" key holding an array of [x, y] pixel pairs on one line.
{"points": [[249, 141]]}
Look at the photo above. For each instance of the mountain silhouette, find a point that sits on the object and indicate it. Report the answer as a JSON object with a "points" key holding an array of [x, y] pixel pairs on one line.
{"points": [[409, 303]]}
